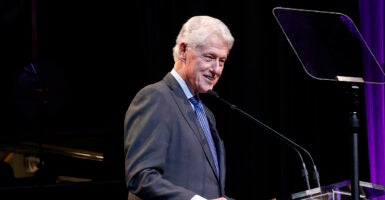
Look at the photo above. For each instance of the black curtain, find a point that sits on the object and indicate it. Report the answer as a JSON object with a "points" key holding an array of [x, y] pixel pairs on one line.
{"points": [[107, 51]]}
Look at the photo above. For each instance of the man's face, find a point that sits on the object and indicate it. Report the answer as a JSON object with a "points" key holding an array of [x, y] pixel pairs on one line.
{"points": [[205, 63]]}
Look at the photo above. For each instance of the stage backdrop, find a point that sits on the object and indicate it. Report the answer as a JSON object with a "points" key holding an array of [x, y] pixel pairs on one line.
{"points": [[97, 55]]}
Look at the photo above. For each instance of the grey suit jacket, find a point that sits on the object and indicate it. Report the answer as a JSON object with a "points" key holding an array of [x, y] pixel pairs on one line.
{"points": [[166, 153]]}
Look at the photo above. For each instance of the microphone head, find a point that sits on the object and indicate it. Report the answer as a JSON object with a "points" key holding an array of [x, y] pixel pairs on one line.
{"points": [[213, 93]]}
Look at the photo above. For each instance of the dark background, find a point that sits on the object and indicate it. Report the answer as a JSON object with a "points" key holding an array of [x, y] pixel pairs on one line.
{"points": [[93, 57]]}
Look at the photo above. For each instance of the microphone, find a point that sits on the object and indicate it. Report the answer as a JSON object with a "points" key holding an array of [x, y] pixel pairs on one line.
{"points": [[288, 141]]}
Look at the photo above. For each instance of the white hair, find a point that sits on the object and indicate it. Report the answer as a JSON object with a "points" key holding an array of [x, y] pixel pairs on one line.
{"points": [[197, 29]]}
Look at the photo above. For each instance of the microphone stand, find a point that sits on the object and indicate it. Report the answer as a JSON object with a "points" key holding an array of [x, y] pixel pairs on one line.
{"points": [[288, 141]]}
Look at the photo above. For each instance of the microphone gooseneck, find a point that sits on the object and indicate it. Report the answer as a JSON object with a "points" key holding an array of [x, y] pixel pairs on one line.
{"points": [[288, 141]]}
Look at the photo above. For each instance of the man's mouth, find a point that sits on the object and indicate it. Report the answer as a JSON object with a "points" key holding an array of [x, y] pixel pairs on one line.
{"points": [[211, 78]]}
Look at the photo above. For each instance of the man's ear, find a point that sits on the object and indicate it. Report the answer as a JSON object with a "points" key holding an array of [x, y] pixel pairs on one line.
{"points": [[182, 51], [182, 47]]}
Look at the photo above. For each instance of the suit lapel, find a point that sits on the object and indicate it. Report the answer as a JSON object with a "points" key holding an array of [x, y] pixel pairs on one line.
{"points": [[189, 114]]}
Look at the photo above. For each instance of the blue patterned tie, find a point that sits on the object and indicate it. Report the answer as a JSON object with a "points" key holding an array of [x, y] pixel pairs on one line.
{"points": [[205, 126]]}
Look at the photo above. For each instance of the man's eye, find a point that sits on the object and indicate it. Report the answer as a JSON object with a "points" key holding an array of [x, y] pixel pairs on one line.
{"points": [[208, 59], [211, 59]]}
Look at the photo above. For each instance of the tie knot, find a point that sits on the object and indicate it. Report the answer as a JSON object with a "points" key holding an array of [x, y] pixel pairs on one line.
{"points": [[194, 100]]}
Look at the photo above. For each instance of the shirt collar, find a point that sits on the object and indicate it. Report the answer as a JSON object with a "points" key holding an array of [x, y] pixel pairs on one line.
{"points": [[182, 84]]}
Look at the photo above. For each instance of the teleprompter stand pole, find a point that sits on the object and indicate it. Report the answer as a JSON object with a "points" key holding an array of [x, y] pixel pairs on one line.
{"points": [[354, 123]]}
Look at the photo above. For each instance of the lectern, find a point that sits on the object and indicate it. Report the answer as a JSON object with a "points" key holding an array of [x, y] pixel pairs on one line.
{"points": [[341, 191], [331, 48]]}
